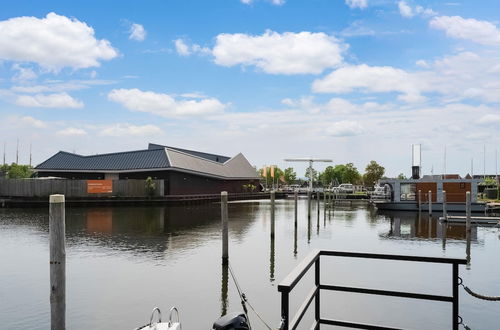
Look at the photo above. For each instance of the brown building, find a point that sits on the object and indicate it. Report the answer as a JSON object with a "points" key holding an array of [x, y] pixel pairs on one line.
{"points": [[184, 171]]}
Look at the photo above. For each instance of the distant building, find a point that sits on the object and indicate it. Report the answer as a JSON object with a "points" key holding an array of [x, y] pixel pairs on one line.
{"points": [[184, 171]]}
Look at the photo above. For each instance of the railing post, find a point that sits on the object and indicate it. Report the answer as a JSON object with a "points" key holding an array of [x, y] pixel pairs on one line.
{"points": [[285, 310], [455, 297], [445, 215], [317, 283]]}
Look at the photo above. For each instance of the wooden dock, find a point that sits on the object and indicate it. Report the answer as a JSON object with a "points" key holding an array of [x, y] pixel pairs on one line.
{"points": [[474, 219]]}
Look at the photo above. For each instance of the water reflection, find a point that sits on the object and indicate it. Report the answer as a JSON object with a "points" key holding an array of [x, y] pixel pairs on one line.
{"points": [[224, 290]]}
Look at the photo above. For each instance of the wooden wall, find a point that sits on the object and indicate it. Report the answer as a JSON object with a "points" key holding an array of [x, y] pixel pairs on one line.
{"points": [[455, 191], [73, 188], [425, 187]]}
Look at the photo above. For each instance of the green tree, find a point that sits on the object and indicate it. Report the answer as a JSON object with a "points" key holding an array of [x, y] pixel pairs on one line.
{"points": [[351, 174], [150, 186], [338, 173], [373, 173], [16, 171], [401, 176], [289, 175], [328, 176], [315, 174]]}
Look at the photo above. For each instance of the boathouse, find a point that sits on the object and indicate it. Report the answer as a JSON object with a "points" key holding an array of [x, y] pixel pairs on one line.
{"points": [[183, 171]]}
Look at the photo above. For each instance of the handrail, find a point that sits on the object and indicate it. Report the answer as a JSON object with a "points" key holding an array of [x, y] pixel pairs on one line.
{"points": [[287, 285]]}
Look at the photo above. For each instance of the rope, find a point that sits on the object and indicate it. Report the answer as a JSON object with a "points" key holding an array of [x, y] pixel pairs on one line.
{"points": [[477, 295], [245, 300]]}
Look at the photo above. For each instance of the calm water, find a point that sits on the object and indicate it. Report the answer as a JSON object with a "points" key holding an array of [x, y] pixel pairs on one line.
{"points": [[122, 262]]}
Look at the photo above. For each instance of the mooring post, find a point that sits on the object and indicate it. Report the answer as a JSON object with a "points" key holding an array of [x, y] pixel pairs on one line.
{"points": [[295, 198], [309, 192], [225, 232], [57, 261], [467, 212], [445, 215], [430, 202], [273, 193]]}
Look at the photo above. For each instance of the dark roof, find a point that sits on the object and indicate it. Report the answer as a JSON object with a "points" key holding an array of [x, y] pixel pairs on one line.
{"points": [[129, 160], [212, 157]]}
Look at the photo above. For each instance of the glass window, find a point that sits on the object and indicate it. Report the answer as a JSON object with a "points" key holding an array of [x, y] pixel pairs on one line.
{"points": [[408, 191]]}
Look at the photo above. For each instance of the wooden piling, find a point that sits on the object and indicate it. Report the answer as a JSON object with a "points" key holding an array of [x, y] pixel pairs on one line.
{"points": [[225, 231], [57, 261], [419, 200], [430, 202], [273, 194], [467, 212], [445, 215]]}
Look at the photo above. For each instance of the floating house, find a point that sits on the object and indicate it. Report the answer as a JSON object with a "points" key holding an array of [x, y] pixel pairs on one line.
{"points": [[412, 194], [184, 171]]}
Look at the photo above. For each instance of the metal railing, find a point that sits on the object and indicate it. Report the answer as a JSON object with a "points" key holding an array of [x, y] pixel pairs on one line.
{"points": [[287, 285]]}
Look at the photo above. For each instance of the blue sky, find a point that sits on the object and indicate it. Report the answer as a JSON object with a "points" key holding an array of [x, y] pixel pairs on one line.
{"points": [[351, 80]]}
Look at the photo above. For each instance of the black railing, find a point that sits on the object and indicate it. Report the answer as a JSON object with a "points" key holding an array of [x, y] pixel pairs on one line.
{"points": [[287, 285]]}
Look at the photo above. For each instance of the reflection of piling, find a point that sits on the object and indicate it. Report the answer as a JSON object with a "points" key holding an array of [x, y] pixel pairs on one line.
{"points": [[468, 227], [273, 193], [318, 196], [224, 290], [271, 261], [296, 197], [430, 202], [225, 232], [57, 262], [445, 215]]}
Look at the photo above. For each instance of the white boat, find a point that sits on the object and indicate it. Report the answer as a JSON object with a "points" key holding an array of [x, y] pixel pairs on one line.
{"points": [[159, 325]]}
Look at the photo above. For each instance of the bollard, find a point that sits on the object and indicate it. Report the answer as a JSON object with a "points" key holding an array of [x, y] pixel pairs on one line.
{"points": [[273, 193], [445, 215], [430, 202], [57, 261], [225, 232]]}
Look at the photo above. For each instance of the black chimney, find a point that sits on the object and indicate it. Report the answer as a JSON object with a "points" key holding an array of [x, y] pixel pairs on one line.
{"points": [[415, 172]]}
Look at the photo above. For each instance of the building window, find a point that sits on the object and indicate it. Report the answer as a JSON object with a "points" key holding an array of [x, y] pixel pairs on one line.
{"points": [[408, 191], [462, 185]]}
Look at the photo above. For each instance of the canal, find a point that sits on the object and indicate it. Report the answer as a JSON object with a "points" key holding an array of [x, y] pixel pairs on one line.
{"points": [[123, 261]]}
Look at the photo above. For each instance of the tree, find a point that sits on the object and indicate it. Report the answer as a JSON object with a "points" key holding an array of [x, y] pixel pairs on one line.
{"points": [[351, 174], [401, 176], [315, 174], [328, 176], [338, 173], [16, 171], [373, 173], [289, 175]]}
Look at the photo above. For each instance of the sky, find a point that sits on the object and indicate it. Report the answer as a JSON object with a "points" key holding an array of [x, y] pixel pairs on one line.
{"points": [[347, 80]]}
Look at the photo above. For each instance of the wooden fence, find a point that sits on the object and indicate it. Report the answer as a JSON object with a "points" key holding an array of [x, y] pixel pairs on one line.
{"points": [[74, 188]]}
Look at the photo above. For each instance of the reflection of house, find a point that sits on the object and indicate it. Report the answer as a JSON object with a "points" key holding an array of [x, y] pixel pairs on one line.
{"points": [[184, 171]]}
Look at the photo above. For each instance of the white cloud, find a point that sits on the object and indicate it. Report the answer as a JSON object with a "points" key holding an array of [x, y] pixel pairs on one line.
{"points": [[60, 86], [404, 9], [23, 74], [72, 131], [60, 100], [465, 75], [361, 4], [345, 128], [163, 104], [182, 48], [377, 79], [482, 32], [274, 2], [285, 53], [119, 130], [489, 119], [407, 11], [137, 32], [33, 122], [52, 42]]}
